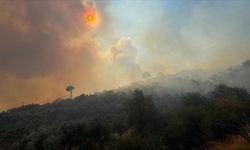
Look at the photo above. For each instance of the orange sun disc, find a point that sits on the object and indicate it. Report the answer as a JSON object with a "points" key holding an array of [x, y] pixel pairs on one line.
{"points": [[90, 18]]}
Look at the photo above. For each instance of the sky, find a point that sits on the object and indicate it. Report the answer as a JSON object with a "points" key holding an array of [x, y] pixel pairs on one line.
{"points": [[47, 45]]}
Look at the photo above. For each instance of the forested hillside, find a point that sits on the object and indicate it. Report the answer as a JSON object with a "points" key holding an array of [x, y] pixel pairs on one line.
{"points": [[126, 121], [188, 110]]}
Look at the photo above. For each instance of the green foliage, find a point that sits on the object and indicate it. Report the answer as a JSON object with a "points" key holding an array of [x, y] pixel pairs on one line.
{"points": [[72, 134], [120, 121], [119, 126], [142, 113], [95, 132], [136, 143], [202, 119], [185, 129]]}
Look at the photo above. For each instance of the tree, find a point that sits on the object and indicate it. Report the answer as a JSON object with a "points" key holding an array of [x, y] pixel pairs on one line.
{"points": [[73, 134], [142, 113], [185, 128], [98, 131], [119, 126], [69, 89], [234, 104], [85, 135]]}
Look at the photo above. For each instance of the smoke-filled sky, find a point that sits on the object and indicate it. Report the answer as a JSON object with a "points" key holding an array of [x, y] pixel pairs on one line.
{"points": [[46, 45]]}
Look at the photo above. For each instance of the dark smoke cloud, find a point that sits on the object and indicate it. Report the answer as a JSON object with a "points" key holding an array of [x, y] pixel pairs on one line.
{"points": [[44, 45], [33, 35]]}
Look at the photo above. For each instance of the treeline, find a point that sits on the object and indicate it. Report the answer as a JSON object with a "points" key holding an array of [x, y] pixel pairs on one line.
{"points": [[120, 121]]}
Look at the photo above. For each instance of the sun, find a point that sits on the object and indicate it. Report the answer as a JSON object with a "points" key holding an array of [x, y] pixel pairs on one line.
{"points": [[90, 18]]}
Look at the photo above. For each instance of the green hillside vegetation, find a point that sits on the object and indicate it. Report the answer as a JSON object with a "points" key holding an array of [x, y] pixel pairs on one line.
{"points": [[114, 120]]}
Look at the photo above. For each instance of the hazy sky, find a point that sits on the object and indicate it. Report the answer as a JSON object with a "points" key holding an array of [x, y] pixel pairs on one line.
{"points": [[46, 45]]}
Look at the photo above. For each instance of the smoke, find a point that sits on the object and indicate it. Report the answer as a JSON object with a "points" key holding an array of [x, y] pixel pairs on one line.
{"points": [[123, 66], [235, 76], [185, 34], [33, 40], [46, 45]]}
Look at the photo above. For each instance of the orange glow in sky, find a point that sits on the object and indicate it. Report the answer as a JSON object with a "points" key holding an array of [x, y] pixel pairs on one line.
{"points": [[90, 18]]}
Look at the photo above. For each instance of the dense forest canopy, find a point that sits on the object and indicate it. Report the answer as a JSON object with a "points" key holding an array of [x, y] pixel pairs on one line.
{"points": [[122, 121]]}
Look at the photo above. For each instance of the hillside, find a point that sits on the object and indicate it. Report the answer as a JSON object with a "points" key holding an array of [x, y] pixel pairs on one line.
{"points": [[174, 112]]}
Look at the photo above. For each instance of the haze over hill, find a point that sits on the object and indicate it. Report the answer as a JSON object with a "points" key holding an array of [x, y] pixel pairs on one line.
{"points": [[194, 81], [190, 81], [47, 45]]}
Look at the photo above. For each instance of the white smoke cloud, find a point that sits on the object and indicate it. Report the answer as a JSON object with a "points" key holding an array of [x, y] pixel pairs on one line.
{"points": [[123, 57]]}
